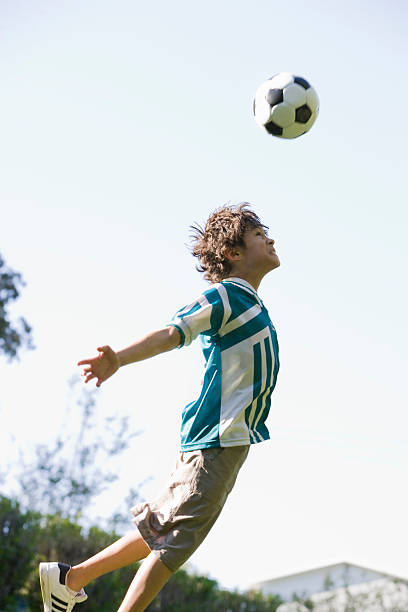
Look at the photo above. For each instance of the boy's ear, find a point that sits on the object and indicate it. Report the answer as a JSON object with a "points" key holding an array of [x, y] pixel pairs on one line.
{"points": [[233, 254]]}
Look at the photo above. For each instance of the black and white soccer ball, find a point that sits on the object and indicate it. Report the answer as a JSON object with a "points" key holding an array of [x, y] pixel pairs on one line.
{"points": [[286, 105]]}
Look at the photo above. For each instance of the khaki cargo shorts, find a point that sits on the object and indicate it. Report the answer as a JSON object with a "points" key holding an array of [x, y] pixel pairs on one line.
{"points": [[175, 524]]}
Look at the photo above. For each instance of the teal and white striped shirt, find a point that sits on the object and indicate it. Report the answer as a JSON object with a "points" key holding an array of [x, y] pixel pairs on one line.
{"points": [[240, 349]]}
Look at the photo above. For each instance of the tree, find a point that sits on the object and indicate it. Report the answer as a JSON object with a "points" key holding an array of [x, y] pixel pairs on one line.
{"points": [[64, 540], [66, 476], [59, 484], [193, 593], [14, 335], [28, 538], [19, 536]]}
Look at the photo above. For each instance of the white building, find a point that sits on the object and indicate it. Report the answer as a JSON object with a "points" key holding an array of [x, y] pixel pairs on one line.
{"points": [[335, 587]]}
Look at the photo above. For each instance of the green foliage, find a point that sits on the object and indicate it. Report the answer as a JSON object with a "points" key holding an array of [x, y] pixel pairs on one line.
{"points": [[192, 593], [14, 335], [28, 538], [19, 536], [63, 540]]}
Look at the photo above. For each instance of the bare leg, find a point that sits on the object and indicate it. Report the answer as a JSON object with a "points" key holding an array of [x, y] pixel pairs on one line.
{"points": [[125, 551], [149, 580]]}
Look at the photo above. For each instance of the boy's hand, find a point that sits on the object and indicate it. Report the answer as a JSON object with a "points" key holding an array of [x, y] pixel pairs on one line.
{"points": [[108, 362], [102, 366]]}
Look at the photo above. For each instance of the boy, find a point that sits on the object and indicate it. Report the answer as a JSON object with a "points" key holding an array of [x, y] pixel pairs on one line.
{"points": [[241, 354]]}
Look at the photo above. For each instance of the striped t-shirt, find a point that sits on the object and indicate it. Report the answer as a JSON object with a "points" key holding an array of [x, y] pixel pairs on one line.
{"points": [[240, 349]]}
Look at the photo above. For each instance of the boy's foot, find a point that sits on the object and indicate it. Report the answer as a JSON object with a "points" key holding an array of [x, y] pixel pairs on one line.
{"points": [[57, 597]]}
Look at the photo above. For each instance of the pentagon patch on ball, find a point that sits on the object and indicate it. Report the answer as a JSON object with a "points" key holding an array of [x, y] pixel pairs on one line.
{"points": [[286, 105]]}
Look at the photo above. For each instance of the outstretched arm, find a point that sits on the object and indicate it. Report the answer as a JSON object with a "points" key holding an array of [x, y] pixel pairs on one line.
{"points": [[108, 361]]}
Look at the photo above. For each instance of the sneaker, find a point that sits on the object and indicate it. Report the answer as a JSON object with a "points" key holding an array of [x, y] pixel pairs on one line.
{"points": [[57, 597]]}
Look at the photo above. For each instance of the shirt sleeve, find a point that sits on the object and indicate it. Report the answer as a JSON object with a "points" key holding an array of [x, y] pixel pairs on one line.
{"points": [[204, 315]]}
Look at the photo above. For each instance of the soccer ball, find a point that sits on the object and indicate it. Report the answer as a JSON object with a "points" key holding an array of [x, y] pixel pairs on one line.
{"points": [[286, 105]]}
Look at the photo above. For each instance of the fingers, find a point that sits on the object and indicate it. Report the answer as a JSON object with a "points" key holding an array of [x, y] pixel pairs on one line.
{"points": [[88, 377], [88, 373], [94, 365], [86, 370], [91, 360], [104, 349], [91, 377]]}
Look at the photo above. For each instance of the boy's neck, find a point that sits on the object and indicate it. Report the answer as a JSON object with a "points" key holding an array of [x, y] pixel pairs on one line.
{"points": [[252, 279]]}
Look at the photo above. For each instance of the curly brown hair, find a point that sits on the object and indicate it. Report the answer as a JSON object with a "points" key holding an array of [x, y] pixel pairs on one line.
{"points": [[224, 229]]}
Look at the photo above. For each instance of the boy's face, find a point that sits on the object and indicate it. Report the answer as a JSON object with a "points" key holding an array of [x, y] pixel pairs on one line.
{"points": [[259, 253]]}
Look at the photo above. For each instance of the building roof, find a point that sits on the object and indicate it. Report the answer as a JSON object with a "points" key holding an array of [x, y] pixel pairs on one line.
{"points": [[322, 579], [329, 567]]}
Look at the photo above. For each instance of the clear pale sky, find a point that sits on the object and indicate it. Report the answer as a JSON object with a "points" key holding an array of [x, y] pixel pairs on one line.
{"points": [[124, 122]]}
